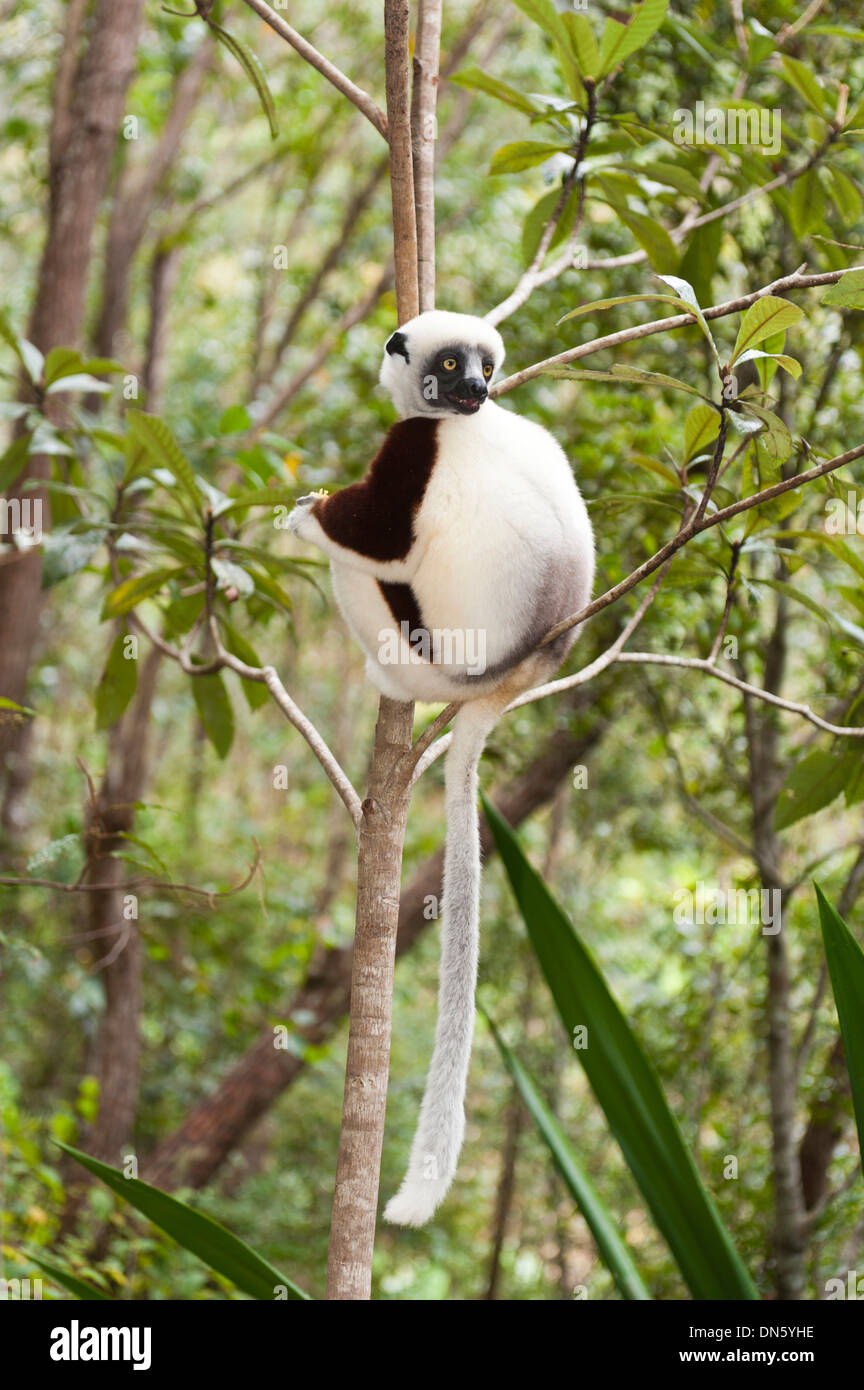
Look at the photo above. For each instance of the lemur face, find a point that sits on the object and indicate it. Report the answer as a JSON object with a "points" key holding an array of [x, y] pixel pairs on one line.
{"points": [[441, 364], [457, 377]]}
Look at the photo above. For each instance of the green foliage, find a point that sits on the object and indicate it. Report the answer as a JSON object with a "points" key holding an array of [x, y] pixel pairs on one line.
{"points": [[603, 1229], [626, 1086], [846, 967], [195, 1231]]}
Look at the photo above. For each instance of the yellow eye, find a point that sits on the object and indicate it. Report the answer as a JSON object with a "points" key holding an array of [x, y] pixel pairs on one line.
{"points": [[487, 370], [449, 364]]}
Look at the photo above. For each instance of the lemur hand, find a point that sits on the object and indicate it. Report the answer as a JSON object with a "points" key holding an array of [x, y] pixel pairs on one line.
{"points": [[301, 511]]}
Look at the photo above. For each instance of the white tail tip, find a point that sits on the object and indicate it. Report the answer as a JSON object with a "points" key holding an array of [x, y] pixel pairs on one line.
{"points": [[415, 1203]]}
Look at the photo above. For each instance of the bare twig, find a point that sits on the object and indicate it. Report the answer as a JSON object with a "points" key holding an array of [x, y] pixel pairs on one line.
{"points": [[343, 84], [695, 663], [159, 884]]}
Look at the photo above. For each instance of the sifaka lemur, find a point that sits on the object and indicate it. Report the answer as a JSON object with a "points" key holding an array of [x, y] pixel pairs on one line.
{"points": [[466, 541]]}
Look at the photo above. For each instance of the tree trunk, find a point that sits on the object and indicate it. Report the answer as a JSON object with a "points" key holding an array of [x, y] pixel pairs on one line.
{"points": [[134, 197], [765, 779], [85, 124], [112, 929]]}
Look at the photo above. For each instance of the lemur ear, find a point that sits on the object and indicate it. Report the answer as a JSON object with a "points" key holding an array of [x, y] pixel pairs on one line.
{"points": [[397, 343]]}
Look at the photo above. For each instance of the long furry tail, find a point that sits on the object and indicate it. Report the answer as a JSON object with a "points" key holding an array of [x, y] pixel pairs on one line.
{"points": [[441, 1127]]}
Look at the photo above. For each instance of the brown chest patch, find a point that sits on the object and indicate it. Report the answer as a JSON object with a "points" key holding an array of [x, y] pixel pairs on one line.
{"points": [[375, 517]]}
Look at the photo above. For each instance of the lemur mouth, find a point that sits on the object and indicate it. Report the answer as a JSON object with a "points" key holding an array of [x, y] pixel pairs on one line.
{"points": [[465, 405]]}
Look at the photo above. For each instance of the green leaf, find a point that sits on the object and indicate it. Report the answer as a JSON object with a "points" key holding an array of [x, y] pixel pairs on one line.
{"points": [[235, 420], [620, 40], [845, 961], [523, 154], [477, 80], [807, 204], [67, 1280], [602, 1225], [582, 43], [544, 13], [256, 692], [193, 1230], [214, 711], [31, 357], [59, 361], [159, 444], [844, 195], [767, 316], [701, 258], [673, 175], [18, 709], [797, 596], [278, 496], [67, 550], [655, 466], [14, 461], [597, 304], [799, 76], [132, 591], [789, 364], [626, 1086], [251, 65], [78, 381], [651, 236], [536, 220], [687, 293], [700, 428], [117, 683], [848, 293], [774, 441], [813, 783], [621, 373]]}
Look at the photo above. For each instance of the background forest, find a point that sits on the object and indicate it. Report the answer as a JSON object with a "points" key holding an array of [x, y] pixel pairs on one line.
{"points": [[197, 238]]}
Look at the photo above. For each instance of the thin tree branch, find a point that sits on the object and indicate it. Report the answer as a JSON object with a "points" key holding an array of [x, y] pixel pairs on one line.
{"points": [[695, 663], [397, 64], [343, 84], [424, 100], [645, 330]]}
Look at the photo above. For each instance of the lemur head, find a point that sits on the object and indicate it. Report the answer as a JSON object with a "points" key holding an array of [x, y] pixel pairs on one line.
{"points": [[441, 364]]}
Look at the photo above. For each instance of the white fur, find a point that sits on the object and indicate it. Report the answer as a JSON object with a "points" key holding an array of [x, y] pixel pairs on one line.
{"points": [[501, 512], [502, 545]]}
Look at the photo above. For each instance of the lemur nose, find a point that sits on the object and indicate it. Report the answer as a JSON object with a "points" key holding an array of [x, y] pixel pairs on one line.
{"points": [[475, 389]]}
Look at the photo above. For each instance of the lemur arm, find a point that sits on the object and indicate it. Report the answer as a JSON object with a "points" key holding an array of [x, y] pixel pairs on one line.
{"points": [[340, 533], [369, 525]]}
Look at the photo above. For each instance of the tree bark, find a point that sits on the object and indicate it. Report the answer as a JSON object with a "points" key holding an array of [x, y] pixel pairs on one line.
{"points": [[85, 122], [789, 1235], [112, 931], [423, 137]]}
